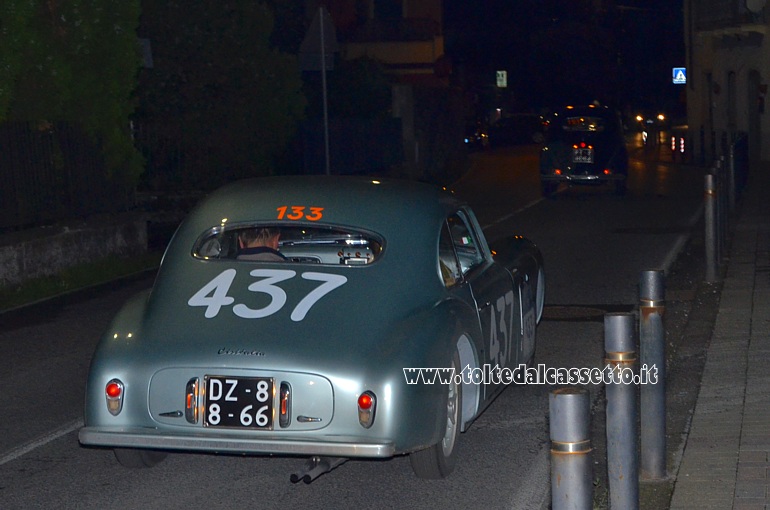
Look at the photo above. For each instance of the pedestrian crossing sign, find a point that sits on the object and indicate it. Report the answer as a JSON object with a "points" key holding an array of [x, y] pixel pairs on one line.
{"points": [[680, 75]]}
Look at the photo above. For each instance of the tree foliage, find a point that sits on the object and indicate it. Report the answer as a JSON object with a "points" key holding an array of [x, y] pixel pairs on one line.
{"points": [[218, 86], [73, 61]]}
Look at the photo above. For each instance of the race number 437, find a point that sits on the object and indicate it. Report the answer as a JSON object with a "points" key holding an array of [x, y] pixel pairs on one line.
{"points": [[501, 330], [215, 294]]}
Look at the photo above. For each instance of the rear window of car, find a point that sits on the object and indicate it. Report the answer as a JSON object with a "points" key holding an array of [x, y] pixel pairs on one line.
{"points": [[316, 244], [583, 123]]}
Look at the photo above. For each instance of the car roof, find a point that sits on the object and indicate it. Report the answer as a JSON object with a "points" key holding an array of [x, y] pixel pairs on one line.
{"points": [[408, 215], [599, 111], [364, 202]]}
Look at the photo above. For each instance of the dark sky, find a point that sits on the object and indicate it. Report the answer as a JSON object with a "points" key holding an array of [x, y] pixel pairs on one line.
{"points": [[643, 38]]}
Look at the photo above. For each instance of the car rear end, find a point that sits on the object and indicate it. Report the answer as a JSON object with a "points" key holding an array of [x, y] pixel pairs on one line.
{"points": [[583, 147]]}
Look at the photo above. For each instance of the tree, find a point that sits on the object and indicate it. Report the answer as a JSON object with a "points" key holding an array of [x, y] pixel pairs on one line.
{"points": [[219, 88], [73, 61]]}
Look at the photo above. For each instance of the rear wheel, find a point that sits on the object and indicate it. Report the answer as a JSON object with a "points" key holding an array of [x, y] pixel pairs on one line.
{"points": [[438, 460], [131, 458]]}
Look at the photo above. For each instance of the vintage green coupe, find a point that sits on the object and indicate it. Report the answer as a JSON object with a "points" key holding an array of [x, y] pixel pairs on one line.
{"points": [[378, 331]]}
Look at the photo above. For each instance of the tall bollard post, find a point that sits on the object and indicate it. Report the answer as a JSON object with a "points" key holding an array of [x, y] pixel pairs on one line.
{"points": [[731, 179], [722, 208], [622, 458], [652, 343], [709, 200], [571, 465], [716, 171]]}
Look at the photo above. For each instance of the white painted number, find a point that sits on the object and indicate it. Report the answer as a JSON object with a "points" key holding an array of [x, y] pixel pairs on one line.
{"points": [[494, 344], [330, 282], [528, 320], [277, 294], [506, 303], [500, 349], [213, 296]]}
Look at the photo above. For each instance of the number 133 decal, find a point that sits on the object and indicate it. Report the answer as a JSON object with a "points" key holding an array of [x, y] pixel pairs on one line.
{"points": [[213, 296], [298, 212]]}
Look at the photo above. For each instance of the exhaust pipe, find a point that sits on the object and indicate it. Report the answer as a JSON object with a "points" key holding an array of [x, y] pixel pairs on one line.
{"points": [[315, 467]]}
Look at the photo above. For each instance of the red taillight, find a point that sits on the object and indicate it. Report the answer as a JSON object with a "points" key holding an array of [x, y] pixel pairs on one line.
{"points": [[557, 171], [365, 401], [113, 390], [284, 418], [113, 393], [607, 171], [367, 404], [192, 394]]}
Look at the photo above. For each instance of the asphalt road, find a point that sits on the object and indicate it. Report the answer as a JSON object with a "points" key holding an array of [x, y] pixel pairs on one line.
{"points": [[595, 246]]}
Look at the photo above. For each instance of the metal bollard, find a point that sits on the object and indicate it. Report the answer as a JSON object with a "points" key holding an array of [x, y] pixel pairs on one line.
{"points": [[709, 200], [722, 207], [571, 464], [622, 458], [652, 343], [716, 171], [731, 179]]}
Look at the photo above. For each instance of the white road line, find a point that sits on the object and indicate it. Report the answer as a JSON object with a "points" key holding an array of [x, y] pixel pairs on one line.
{"points": [[40, 441], [681, 240], [510, 215]]}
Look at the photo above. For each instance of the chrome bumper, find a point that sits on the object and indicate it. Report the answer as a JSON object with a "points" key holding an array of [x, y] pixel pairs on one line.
{"points": [[582, 178], [336, 446]]}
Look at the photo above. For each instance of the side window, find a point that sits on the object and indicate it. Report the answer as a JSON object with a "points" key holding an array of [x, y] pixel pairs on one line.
{"points": [[449, 268], [464, 242]]}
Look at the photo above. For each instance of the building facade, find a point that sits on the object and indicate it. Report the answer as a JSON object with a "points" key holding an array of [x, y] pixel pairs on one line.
{"points": [[728, 64]]}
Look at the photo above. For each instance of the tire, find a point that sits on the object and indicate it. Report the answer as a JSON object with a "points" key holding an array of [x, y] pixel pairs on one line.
{"points": [[549, 188], [438, 461], [131, 458], [620, 188]]}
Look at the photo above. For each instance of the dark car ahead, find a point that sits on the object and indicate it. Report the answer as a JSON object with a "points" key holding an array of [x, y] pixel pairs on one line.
{"points": [[584, 145], [517, 129]]}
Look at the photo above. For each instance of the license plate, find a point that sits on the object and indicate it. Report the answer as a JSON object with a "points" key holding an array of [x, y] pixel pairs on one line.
{"points": [[582, 155], [239, 402]]}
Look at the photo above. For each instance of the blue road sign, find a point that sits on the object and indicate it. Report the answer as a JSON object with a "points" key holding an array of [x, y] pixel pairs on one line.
{"points": [[680, 75]]}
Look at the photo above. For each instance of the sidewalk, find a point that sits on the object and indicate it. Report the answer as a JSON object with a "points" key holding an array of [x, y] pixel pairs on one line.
{"points": [[726, 458]]}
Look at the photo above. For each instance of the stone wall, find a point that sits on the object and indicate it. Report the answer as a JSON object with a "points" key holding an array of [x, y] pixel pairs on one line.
{"points": [[45, 251]]}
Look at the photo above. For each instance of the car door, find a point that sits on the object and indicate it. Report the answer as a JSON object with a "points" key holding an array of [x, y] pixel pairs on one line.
{"points": [[495, 296]]}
